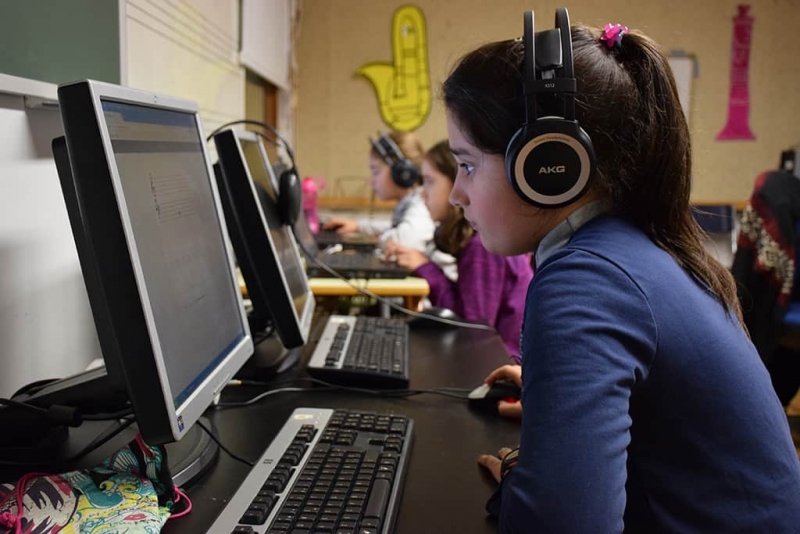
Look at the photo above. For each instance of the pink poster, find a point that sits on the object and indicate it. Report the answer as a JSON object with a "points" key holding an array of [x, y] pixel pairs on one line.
{"points": [[738, 126]]}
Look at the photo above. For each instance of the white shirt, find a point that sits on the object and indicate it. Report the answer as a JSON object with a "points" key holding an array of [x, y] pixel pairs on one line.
{"points": [[411, 224]]}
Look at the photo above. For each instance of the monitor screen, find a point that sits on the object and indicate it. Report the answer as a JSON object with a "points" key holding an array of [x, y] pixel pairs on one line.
{"points": [[158, 263], [265, 248], [305, 237]]}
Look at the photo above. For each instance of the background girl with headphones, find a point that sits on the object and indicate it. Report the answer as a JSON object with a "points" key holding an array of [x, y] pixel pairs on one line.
{"points": [[394, 161], [646, 408], [489, 288]]}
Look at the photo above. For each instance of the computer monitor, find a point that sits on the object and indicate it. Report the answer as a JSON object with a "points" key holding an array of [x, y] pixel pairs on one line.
{"points": [[162, 286], [264, 246]]}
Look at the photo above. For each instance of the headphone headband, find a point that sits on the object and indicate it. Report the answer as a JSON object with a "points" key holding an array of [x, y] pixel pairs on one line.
{"points": [[549, 159], [529, 80], [387, 149], [404, 173], [548, 65]]}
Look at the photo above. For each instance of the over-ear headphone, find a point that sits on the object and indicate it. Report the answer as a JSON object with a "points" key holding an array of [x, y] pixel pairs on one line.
{"points": [[404, 173], [550, 159], [290, 196]]}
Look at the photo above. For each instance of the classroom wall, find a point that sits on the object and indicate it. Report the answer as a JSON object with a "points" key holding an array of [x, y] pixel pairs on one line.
{"points": [[188, 49], [46, 327], [338, 110], [185, 48]]}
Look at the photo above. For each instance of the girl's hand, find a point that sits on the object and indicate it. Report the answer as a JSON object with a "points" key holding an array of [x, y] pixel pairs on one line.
{"points": [[406, 257], [509, 373], [493, 463], [342, 226]]}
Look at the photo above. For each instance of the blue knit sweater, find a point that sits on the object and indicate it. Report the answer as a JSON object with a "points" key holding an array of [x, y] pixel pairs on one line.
{"points": [[646, 408]]}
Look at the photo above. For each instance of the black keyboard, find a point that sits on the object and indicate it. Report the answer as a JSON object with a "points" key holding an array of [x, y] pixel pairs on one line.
{"points": [[326, 471], [362, 352]]}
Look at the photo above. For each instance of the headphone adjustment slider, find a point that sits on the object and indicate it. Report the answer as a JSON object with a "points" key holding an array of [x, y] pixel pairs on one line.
{"points": [[554, 85]]}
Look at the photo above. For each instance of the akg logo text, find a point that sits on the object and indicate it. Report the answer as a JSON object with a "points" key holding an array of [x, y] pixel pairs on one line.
{"points": [[555, 169]]}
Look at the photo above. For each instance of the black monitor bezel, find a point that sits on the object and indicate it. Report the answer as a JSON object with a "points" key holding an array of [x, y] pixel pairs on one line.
{"points": [[252, 241], [124, 326]]}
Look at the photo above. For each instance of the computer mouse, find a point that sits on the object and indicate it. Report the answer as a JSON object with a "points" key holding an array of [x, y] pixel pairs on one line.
{"points": [[486, 396], [430, 322]]}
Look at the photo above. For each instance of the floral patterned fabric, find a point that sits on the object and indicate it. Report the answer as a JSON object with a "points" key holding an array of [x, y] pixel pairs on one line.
{"points": [[130, 492]]}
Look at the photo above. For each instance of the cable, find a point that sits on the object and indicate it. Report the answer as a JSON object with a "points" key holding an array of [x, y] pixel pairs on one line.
{"points": [[265, 334], [458, 393], [264, 395], [101, 440], [181, 495], [107, 416], [388, 302], [223, 447], [264, 125], [96, 443], [23, 405]]}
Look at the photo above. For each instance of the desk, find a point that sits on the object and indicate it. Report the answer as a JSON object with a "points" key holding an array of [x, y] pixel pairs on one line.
{"points": [[412, 289], [445, 490]]}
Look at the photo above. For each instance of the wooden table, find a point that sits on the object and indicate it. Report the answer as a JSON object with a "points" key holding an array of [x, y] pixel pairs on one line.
{"points": [[412, 289]]}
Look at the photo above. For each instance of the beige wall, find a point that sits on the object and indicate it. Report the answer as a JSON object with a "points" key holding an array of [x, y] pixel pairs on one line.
{"points": [[337, 110]]}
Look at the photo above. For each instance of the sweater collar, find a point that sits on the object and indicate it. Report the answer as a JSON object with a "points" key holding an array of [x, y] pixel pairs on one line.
{"points": [[563, 232]]}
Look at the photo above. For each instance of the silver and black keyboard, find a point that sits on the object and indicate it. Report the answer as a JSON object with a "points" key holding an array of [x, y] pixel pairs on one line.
{"points": [[326, 471], [362, 352]]}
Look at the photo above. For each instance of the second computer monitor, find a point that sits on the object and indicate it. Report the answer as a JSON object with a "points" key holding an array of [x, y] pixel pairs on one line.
{"points": [[265, 248]]}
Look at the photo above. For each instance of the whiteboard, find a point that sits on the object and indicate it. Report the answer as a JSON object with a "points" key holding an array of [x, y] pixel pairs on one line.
{"points": [[684, 68]]}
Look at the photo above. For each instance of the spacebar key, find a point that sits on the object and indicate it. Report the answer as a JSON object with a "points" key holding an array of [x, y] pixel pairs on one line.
{"points": [[378, 498]]}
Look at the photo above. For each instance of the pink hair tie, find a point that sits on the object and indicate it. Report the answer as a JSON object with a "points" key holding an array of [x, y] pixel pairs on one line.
{"points": [[612, 35]]}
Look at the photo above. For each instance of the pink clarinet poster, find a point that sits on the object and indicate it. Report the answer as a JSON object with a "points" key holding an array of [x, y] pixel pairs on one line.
{"points": [[738, 125]]}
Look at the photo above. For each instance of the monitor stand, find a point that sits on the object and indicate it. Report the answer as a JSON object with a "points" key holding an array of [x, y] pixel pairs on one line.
{"points": [[187, 459], [269, 358]]}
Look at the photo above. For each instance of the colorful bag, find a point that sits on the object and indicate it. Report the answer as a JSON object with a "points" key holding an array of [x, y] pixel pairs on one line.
{"points": [[131, 491]]}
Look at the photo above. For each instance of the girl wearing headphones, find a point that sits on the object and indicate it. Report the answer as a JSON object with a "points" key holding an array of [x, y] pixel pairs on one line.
{"points": [[489, 288], [646, 408], [394, 161]]}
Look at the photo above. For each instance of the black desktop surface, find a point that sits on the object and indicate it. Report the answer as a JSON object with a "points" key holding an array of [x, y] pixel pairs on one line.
{"points": [[445, 489]]}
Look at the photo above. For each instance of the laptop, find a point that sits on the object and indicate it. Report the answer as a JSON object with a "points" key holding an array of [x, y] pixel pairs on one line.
{"points": [[350, 263]]}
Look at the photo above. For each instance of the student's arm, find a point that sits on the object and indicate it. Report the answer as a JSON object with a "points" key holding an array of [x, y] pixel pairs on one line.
{"points": [[477, 293], [414, 230], [367, 225], [589, 337]]}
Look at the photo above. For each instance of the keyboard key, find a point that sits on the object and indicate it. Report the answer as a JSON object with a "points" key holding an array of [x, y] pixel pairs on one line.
{"points": [[379, 497]]}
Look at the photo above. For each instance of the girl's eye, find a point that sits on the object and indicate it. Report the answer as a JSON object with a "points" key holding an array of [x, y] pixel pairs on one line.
{"points": [[467, 167]]}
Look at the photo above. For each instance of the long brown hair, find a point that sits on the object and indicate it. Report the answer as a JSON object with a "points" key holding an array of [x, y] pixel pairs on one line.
{"points": [[628, 104], [454, 232]]}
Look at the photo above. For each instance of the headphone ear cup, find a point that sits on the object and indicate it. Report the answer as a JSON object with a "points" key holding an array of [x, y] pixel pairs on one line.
{"points": [[405, 174], [520, 138], [549, 163], [290, 196]]}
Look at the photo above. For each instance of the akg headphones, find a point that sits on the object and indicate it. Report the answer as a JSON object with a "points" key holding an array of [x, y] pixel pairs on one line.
{"points": [[404, 173], [549, 159]]}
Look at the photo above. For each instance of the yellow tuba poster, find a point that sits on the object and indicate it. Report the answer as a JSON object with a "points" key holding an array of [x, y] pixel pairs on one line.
{"points": [[403, 87]]}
